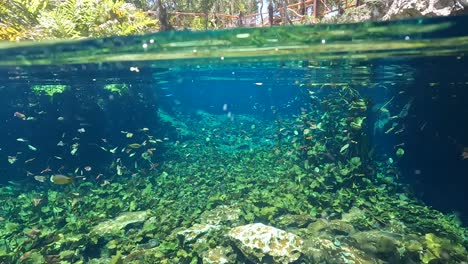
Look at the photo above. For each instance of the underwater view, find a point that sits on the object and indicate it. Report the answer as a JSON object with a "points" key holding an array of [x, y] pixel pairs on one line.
{"points": [[309, 144]]}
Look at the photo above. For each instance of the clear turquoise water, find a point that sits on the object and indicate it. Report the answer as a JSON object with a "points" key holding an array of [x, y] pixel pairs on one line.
{"points": [[303, 123]]}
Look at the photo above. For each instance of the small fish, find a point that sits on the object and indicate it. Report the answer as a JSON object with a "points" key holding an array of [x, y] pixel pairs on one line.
{"points": [[19, 115], [46, 170], [144, 129], [21, 140], [390, 130], [60, 143], [40, 178], [74, 148], [60, 118], [61, 179], [464, 154], [132, 154], [113, 150], [88, 168], [57, 157], [134, 146], [32, 148], [81, 130], [129, 135], [344, 148], [29, 160]]}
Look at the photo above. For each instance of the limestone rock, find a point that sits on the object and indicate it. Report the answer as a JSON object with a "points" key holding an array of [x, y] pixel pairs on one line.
{"points": [[219, 255], [376, 10], [222, 214], [120, 222], [415, 8], [377, 242], [191, 234], [319, 250], [265, 244], [333, 227]]}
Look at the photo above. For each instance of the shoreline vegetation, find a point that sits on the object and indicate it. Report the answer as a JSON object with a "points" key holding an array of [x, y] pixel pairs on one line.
{"points": [[72, 19]]}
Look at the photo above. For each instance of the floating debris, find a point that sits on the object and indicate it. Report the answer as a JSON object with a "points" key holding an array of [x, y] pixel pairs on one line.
{"points": [[22, 140], [81, 130]]}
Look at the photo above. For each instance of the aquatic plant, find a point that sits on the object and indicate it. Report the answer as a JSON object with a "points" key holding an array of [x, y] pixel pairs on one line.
{"points": [[50, 89], [118, 88]]}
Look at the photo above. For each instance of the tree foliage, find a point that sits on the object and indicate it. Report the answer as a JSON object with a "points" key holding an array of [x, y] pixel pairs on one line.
{"points": [[49, 19]]}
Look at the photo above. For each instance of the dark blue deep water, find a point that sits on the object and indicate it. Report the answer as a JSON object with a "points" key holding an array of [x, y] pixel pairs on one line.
{"points": [[354, 138]]}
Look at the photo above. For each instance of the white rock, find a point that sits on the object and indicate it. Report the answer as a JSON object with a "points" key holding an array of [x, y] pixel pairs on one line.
{"points": [[414, 8], [262, 243], [217, 255], [191, 234], [121, 221]]}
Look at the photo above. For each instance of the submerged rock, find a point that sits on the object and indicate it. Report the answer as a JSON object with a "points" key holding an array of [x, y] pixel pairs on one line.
{"points": [[262, 243], [225, 215], [120, 222], [319, 250], [191, 234], [333, 228], [219, 255], [377, 243]]}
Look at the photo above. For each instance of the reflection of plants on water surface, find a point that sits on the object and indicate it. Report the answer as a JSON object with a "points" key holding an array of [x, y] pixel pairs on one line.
{"points": [[320, 167]]}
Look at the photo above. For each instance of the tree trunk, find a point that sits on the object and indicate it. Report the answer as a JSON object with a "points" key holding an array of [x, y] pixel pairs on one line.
{"points": [[270, 13], [319, 8], [302, 9], [162, 16], [261, 10]]}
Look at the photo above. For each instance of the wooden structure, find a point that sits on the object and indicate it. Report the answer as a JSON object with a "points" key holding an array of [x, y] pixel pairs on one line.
{"points": [[304, 11]]}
